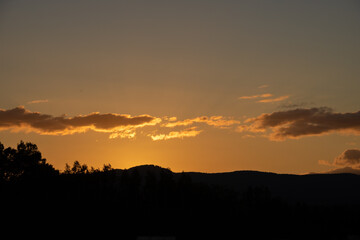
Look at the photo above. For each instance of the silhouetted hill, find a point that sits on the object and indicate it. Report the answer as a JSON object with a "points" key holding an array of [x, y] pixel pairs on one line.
{"points": [[145, 169], [311, 189], [319, 189]]}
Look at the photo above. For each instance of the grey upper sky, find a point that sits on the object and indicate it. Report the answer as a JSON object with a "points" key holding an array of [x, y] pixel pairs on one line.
{"points": [[178, 58]]}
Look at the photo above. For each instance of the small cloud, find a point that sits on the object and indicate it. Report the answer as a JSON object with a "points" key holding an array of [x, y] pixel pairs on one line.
{"points": [[220, 121], [349, 158], [215, 121], [278, 99], [171, 119], [265, 95], [263, 86], [325, 163], [127, 133], [347, 162], [190, 132], [264, 98], [295, 105], [38, 101]]}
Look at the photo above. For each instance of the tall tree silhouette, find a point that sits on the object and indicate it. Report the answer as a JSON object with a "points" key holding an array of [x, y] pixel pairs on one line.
{"points": [[23, 162]]}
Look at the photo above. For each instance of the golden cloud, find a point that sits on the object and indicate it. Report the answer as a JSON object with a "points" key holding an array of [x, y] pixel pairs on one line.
{"points": [[38, 101], [265, 95], [278, 99], [119, 125], [190, 132], [265, 98]]}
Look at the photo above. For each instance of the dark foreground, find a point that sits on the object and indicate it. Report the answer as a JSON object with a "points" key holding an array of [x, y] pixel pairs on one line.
{"points": [[150, 201]]}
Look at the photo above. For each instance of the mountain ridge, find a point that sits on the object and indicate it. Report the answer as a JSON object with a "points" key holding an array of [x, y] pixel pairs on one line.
{"points": [[318, 189]]}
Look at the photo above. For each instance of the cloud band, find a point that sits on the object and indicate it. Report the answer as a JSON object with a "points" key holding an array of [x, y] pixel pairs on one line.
{"points": [[21, 119], [303, 122]]}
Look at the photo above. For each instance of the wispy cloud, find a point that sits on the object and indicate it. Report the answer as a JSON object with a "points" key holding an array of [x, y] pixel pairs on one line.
{"points": [[263, 86], [215, 121], [264, 98], [265, 95], [38, 101], [190, 132], [295, 105], [126, 133], [271, 100], [119, 125], [303, 122]]}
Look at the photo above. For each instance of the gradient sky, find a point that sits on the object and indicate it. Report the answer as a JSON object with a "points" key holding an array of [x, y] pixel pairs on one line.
{"points": [[183, 84]]}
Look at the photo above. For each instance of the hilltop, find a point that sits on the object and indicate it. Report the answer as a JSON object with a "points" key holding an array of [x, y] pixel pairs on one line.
{"points": [[329, 189]]}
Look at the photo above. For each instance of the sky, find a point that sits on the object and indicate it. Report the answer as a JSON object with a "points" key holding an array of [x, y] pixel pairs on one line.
{"points": [[210, 86]]}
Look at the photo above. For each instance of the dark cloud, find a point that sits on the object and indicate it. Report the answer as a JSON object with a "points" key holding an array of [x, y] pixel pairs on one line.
{"points": [[303, 122], [295, 105], [346, 162], [350, 157], [20, 118]]}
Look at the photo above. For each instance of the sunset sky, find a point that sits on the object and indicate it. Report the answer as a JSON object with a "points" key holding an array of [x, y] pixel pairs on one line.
{"points": [[199, 85]]}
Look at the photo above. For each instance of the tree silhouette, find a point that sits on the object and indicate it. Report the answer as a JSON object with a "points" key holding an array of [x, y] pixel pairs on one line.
{"points": [[107, 167], [79, 168], [23, 162]]}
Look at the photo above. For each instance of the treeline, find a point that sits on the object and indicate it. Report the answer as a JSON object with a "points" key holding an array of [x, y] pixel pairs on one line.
{"points": [[26, 162], [153, 201]]}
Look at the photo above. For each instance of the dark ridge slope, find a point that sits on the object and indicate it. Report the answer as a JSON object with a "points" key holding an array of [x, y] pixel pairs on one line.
{"points": [[323, 189]]}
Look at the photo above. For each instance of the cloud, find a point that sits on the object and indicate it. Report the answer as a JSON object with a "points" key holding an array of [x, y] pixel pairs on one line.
{"points": [[344, 170], [215, 121], [347, 162], [119, 125], [339, 171], [295, 105], [126, 133], [263, 86], [349, 158], [271, 100], [265, 95], [265, 98], [302, 122], [325, 163], [190, 132], [38, 101], [116, 125]]}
